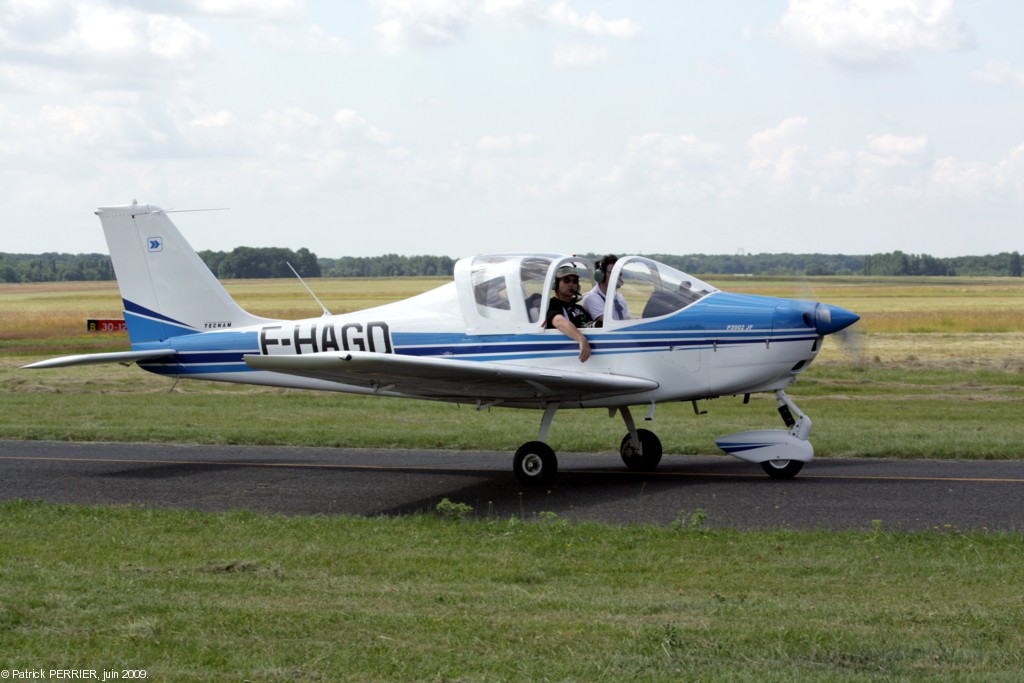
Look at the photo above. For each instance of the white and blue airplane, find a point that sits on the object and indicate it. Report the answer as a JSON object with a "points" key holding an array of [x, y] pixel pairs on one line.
{"points": [[481, 340]]}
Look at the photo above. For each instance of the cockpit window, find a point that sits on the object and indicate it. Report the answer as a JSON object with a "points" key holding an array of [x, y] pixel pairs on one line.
{"points": [[489, 286], [508, 292], [509, 288], [653, 289]]}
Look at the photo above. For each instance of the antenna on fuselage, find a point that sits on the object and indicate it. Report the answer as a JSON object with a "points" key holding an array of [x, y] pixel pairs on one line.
{"points": [[324, 308]]}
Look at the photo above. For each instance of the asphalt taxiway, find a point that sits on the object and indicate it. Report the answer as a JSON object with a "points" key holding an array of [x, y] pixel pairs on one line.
{"points": [[846, 493]]}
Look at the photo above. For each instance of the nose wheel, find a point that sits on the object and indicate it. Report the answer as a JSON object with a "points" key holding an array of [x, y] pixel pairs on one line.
{"points": [[782, 469]]}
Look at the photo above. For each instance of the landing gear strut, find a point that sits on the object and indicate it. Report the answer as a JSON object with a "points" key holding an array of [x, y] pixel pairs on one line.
{"points": [[640, 449], [535, 463]]}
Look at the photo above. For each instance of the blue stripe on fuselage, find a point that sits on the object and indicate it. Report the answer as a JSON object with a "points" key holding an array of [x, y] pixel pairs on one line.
{"points": [[710, 321]]}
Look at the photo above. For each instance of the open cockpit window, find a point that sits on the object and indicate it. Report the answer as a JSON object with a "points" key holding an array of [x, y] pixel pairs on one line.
{"points": [[502, 292], [532, 272], [490, 285], [652, 289]]}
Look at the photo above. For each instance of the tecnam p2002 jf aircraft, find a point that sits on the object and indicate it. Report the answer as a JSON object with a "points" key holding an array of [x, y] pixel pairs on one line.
{"points": [[481, 340]]}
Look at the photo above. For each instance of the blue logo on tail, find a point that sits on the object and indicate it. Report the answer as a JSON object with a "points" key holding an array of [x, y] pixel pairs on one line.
{"points": [[156, 244]]}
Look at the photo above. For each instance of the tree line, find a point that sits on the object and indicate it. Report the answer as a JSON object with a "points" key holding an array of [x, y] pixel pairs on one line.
{"points": [[898, 263], [271, 262], [388, 265], [51, 267]]}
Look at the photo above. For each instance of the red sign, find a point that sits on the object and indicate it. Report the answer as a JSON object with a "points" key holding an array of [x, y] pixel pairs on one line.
{"points": [[105, 325]]}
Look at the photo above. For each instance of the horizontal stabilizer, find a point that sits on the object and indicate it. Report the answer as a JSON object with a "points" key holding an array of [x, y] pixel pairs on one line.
{"points": [[451, 379], [93, 358]]}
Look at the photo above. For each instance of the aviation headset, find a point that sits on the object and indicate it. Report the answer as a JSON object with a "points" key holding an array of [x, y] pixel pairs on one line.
{"points": [[565, 270], [602, 267]]}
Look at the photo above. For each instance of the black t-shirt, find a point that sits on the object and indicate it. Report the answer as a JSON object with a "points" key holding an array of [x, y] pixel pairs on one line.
{"points": [[573, 312]]}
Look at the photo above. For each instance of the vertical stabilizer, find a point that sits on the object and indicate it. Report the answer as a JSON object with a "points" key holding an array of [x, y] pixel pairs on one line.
{"points": [[167, 289]]}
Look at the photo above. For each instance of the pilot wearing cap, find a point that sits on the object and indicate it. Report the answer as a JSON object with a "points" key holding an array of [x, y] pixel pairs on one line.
{"points": [[564, 314]]}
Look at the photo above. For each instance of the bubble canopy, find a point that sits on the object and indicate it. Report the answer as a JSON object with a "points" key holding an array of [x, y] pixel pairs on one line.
{"points": [[511, 291]]}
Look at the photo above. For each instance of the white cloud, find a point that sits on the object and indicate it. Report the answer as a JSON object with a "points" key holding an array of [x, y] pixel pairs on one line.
{"points": [[673, 168], [211, 119], [349, 121], [313, 40], [104, 42], [37, 79], [562, 14], [874, 32], [24, 22], [680, 169], [81, 133], [417, 24], [999, 72], [523, 11], [409, 25], [777, 152], [259, 9], [579, 55], [894, 150], [665, 151], [1010, 173], [952, 177], [119, 34], [505, 144]]}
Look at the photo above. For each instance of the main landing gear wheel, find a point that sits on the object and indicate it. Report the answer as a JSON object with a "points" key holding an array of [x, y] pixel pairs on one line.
{"points": [[651, 447], [782, 469], [535, 464]]}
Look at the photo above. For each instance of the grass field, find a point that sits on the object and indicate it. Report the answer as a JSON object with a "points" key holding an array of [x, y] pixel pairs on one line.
{"points": [[937, 371], [243, 597]]}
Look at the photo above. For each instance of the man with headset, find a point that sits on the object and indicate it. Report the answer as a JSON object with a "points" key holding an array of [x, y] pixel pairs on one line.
{"points": [[595, 298], [564, 314]]}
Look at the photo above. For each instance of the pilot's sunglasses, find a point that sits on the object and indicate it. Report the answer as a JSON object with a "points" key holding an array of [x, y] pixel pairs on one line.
{"points": [[570, 278]]}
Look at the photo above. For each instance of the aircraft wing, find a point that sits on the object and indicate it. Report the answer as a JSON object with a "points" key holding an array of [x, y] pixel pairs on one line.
{"points": [[451, 379], [91, 358]]}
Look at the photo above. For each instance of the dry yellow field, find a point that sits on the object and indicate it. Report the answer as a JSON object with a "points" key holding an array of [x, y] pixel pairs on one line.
{"points": [[926, 321]]}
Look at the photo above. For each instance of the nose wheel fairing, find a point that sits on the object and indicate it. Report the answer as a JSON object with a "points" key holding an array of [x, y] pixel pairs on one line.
{"points": [[781, 453]]}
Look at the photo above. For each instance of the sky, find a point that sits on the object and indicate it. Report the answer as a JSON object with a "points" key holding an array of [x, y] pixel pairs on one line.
{"points": [[460, 127]]}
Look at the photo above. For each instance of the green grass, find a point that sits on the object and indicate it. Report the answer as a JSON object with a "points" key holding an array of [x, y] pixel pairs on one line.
{"points": [[239, 596], [208, 597], [922, 411]]}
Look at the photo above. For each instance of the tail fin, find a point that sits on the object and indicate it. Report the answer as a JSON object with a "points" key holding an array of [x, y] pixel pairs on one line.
{"points": [[167, 289]]}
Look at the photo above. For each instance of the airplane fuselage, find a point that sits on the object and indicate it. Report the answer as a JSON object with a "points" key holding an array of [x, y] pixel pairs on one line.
{"points": [[721, 345]]}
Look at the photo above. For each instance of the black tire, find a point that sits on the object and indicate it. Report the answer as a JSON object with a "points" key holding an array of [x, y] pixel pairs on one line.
{"points": [[782, 469], [535, 464], [651, 446]]}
